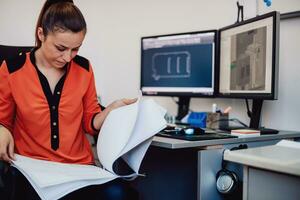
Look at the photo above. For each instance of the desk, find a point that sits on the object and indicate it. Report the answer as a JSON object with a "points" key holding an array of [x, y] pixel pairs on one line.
{"points": [[271, 172], [181, 170]]}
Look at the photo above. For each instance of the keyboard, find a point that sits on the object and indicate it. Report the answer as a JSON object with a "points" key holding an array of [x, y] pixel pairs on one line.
{"points": [[195, 137]]}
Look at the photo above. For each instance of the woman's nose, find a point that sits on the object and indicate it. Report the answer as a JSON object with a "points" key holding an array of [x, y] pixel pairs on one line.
{"points": [[67, 56]]}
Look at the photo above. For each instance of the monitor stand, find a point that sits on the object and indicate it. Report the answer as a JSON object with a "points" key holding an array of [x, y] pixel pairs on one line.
{"points": [[255, 118], [255, 114], [183, 107]]}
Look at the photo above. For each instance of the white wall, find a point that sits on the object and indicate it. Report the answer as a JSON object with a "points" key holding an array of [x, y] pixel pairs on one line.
{"points": [[281, 6], [113, 45]]}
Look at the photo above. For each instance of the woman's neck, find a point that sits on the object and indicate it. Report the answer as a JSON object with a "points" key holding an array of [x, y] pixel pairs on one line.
{"points": [[40, 60], [52, 74]]}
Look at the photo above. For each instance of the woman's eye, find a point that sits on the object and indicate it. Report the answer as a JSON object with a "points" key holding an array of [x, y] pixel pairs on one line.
{"points": [[60, 49]]}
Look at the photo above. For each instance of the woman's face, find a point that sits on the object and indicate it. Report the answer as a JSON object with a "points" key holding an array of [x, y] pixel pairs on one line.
{"points": [[60, 47]]}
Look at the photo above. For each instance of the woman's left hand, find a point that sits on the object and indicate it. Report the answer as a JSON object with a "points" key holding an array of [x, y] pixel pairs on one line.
{"points": [[121, 102], [100, 117]]}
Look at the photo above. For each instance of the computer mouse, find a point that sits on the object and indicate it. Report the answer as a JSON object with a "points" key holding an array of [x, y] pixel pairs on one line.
{"points": [[189, 131], [194, 130]]}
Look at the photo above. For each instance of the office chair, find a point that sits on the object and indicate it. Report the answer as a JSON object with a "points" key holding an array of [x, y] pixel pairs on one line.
{"points": [[7, 52]]}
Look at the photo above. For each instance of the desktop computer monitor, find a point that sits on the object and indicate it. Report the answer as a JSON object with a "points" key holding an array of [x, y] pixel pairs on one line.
{"points": [[181, 65], [248, 66]]}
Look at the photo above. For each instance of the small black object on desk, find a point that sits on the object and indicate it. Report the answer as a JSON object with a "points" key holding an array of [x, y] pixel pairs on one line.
{"points": [[267, 131]]}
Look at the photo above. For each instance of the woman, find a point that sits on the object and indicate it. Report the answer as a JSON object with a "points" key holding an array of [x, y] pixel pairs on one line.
{"points": [[48, 102]]}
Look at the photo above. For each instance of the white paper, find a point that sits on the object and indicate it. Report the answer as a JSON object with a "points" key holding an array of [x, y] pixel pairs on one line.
{"points": [[150, 120], [127, 132], [47, 189], [135, 156], [55, 173], [115, 133]]}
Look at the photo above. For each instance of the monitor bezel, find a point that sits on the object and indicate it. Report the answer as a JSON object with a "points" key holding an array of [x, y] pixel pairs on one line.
{"points": [[273, 95], [183, 94]]}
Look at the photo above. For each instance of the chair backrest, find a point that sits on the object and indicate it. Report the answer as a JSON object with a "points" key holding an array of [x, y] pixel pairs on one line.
{"points": [[7, 52]]}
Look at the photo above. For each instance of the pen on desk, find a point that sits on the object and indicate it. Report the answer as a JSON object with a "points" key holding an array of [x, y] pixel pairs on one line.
{"points": [[227, 110], [214, 108]]}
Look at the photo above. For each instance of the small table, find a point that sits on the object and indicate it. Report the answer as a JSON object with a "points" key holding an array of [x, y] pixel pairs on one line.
{"points": [[270, 172]]}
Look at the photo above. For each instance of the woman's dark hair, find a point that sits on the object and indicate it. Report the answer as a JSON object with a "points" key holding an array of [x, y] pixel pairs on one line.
{"points": [[59, 15]]}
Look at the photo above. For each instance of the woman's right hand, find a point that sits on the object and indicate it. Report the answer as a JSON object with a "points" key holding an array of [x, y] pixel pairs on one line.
{"points": [[6, 145]]}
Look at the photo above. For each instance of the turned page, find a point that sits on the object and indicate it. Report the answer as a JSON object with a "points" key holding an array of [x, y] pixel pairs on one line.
{"points": [[128, 132]]}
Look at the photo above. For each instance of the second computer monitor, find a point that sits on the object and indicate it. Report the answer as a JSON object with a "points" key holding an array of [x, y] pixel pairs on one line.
{"points": [[179, 64], [249, 58]]}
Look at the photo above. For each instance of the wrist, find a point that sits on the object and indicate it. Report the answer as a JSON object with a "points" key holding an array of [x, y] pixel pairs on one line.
{"points": [[94, 123]]}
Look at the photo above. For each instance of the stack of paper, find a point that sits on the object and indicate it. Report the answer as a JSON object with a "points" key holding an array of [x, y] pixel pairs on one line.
{"points": [[245, 132]]}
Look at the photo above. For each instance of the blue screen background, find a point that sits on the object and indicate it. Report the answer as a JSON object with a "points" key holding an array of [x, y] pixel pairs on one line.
{"points": [[201, 67]]}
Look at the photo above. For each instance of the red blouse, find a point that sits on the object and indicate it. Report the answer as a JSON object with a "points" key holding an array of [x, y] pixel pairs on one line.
{"points": [[46, 125]]}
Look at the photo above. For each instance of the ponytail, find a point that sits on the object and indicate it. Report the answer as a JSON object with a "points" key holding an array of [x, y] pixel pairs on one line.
{"points": [[60, 15]]}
